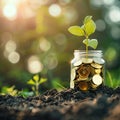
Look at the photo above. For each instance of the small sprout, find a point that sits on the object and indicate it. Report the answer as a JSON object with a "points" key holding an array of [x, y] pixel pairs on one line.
{"points": [[25, 93], [9, 90], [92, 43], [85, 30], [35, 82]]}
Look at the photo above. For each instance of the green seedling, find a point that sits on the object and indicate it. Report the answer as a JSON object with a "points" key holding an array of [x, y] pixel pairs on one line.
{"points": [[85, 30], [35, 82], [25, 93], [9, 91]]}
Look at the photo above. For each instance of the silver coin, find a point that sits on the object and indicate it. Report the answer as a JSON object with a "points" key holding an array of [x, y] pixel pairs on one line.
{"points": [[97, 79], [99, 60], [79, 62], [87, 60]]}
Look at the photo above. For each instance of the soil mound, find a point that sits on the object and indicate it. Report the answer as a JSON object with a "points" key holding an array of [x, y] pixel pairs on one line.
{"points": [[69, 104]]}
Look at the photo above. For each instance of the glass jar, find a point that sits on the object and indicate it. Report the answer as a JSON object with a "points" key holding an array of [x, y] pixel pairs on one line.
{"points": [[87, 69]]}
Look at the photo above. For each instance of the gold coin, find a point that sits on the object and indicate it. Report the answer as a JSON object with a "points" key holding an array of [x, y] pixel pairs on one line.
{"points": [[93, 86], [83, 71], [83, 85], [87, 60], [92, 70], [98, 71], [95, 65], [82, 78]]}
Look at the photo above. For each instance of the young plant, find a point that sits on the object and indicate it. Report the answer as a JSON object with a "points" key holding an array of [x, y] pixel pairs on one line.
{"points": [[25, 93], [35, 82], [9, 90], [85, 30]]}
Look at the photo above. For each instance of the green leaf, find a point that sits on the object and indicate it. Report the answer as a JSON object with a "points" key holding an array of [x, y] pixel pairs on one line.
{"points": [[42, 80], [76, 30], [33, 88], [87, 18], [36, 77], [31, 82], [86, 41], [92, 43], [89, 27]]}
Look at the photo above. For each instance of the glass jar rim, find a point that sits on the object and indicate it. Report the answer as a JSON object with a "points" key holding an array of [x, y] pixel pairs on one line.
{"points": [[92, 51], [95, 53]]}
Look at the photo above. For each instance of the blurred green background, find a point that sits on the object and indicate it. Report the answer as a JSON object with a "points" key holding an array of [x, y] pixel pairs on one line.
{"points": [[34, 39]]}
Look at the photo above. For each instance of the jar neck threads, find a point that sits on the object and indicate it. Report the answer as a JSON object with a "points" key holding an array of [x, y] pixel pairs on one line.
{"points": [[91, 53]]}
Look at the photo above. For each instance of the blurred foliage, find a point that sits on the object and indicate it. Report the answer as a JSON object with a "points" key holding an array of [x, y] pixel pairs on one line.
{"points": [[57, 84], [34, 38], [14, 92], [9, 90], [111, 80]]}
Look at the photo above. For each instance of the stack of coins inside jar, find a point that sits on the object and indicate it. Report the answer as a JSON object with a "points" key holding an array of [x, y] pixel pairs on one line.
{"points": [[87, 72]]}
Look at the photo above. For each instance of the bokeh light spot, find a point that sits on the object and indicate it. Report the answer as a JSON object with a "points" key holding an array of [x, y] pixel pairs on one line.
{"points": [[10, 46], [70, 15], [114, 14], [108, 2], [115, 32], [51, 61], [34, 65], [10, 11], [96, 3], [110, 54], [100, 25], [60, 39], [54, 10], [44, 44], [14, 57]]}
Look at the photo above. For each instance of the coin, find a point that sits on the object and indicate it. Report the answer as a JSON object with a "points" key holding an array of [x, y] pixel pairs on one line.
{"points": [[98, 71], [87, 60], [99, 60], [83, 85], [78, 63], [82, 78], [95, 65], [92, 71], [93, 86], [83, 71], [73, 73], [97, 79], [72, 84]]}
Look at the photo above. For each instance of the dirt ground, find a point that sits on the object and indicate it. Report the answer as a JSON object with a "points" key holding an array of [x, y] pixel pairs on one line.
{"points": [[69, 104]]}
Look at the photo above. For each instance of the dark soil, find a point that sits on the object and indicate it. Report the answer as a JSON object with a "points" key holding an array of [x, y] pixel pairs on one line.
{"points": [[70, 104]]}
